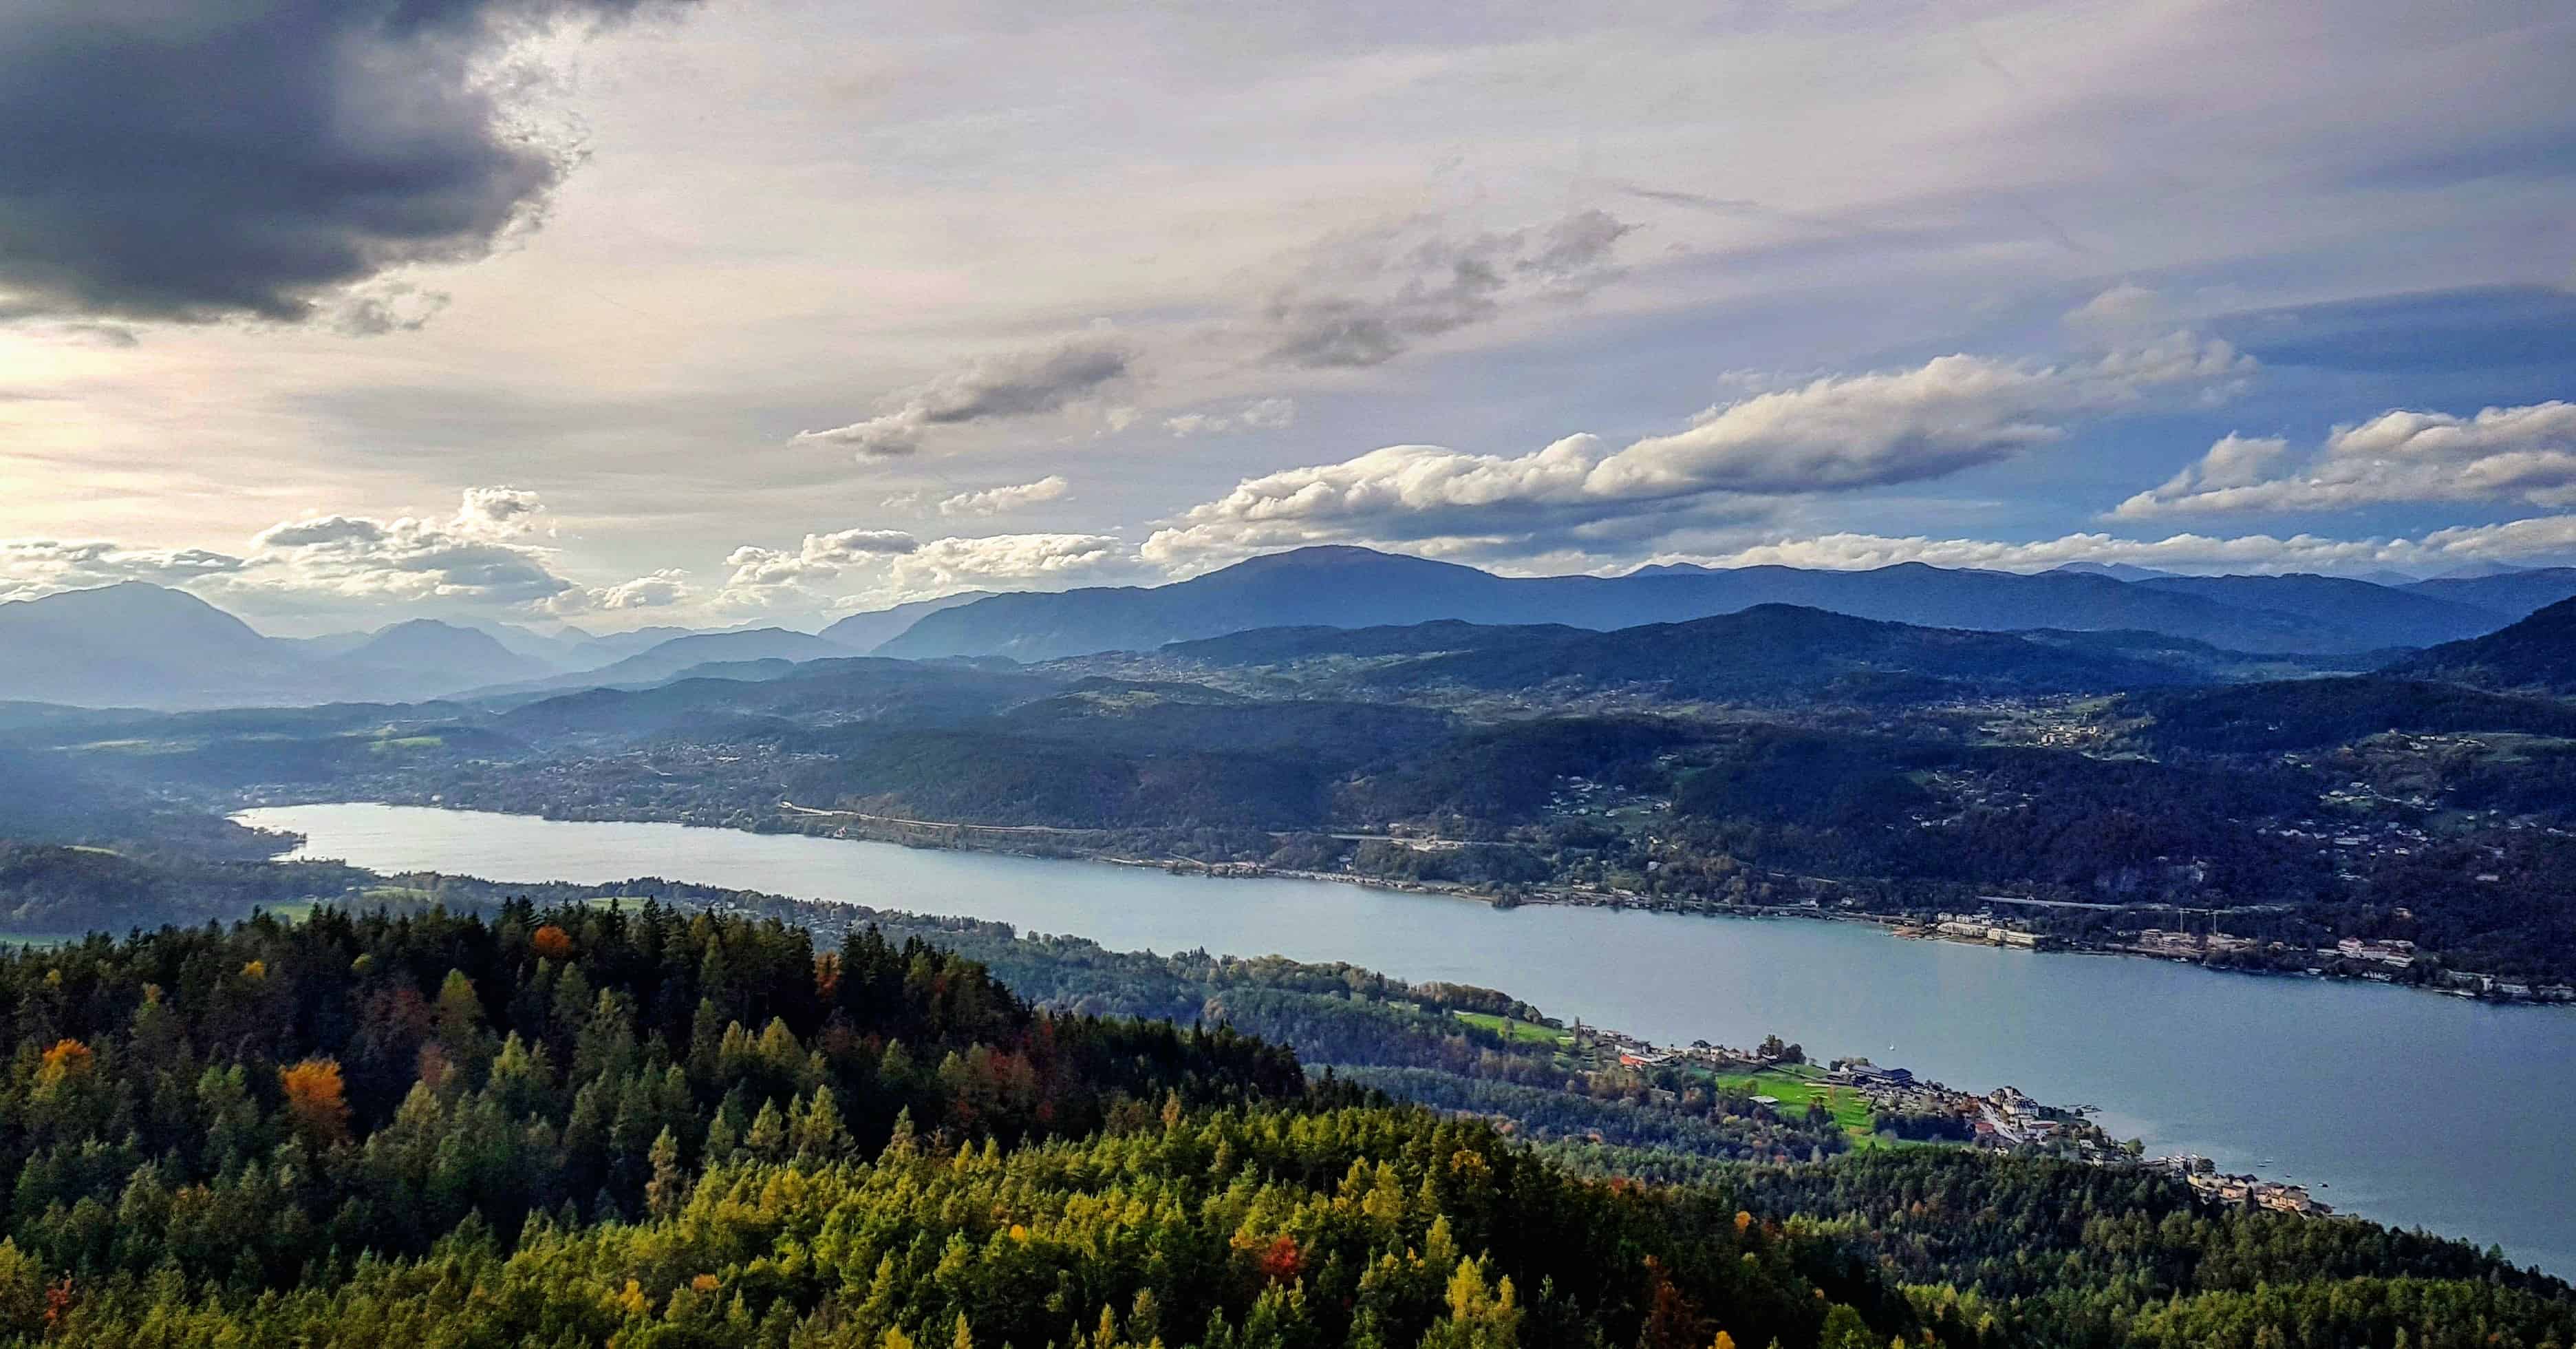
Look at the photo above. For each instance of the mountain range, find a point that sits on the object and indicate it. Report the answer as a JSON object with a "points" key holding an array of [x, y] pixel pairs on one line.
{"points": [[1356, 587], [1767, 652], [146, 646], [668, 658]]}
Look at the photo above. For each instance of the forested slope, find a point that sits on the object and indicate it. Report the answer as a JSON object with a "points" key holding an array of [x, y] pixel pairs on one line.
{"points": [[597, 1125]]}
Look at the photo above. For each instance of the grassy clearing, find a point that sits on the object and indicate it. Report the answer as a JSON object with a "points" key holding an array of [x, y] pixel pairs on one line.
{"points": [[1796, 1087], [394, 894], [1525, 1032]]}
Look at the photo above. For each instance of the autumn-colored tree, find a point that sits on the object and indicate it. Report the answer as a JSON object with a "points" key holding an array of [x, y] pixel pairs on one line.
{"points": [[551, 942], [1673, 1321], [1282, 1262], [316, 1102], [63, 1067]]}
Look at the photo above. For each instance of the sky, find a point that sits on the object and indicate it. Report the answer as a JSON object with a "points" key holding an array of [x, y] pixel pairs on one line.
{"points": [[710, 312]]}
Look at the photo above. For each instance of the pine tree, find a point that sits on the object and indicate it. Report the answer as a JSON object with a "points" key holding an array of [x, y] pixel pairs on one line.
{"points": [[669, 1187]]}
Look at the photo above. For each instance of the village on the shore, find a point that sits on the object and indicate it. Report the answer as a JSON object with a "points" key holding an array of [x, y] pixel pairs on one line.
{"points": [[2002, 1120]]}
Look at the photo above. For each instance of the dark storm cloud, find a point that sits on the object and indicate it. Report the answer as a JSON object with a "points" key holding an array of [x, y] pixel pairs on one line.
{"points": [[204, 159]]}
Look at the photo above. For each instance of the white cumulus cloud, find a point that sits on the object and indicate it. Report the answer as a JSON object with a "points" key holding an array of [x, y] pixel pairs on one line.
{"points": [[2541, 538], [658, 589], [1833, 434], [2525, 454]]}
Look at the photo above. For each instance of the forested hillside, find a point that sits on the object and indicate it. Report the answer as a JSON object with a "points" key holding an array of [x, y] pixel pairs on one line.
{"points": [[601, 1124], [700, 1130]]}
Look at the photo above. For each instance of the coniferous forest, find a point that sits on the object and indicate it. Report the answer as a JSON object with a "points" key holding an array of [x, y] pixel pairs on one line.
{"points": [[652, 1126]]}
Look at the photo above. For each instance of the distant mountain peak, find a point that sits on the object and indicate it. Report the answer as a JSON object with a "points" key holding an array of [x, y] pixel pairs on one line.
{"points": [[2117, 571]]}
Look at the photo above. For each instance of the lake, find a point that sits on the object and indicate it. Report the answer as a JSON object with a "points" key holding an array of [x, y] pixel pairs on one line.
{"points": [[2408, 1107]]}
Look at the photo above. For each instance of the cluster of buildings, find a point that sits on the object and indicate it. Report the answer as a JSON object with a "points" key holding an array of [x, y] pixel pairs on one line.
{"points": [[2192, 945], [2400, 954], [2208, 1182], [2005, 1119], [2382, 960], [1972, 929]]}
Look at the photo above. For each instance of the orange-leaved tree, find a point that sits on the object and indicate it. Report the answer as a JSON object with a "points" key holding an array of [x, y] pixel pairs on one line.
{"points": [[315, 1102]]}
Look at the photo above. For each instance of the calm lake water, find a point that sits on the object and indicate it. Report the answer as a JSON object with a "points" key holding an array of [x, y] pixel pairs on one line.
{"points": [[2408, 1107]]}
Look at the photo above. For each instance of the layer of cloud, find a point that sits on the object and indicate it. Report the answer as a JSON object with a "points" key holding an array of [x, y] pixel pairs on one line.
{"points": [[1007, 562], [1267, 414], [33, 567], [764, 577], [2525, 454], [481, 554], [2539, 539], [485, 554], [1013, 384], [861, 568], [1365, 298], [1004, 500], [1835, 434], [199, 162], [659, 589]]}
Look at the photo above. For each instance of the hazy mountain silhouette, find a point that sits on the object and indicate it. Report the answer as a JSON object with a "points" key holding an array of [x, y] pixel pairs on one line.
{"points": [[425, 657], [1357, 587], [144, 645], [864, 632]]}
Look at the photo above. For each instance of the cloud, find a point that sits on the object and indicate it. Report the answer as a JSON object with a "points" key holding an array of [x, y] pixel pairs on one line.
{"points": [[1003, 500], [768, 576], [478, 556], [388, 308], [891, 566], [1365, 298], [1268, 414], [2525, 454], [2122, 312], [1013, 384], [33, 567], [1835, 434], [659, 589], [475, 555], [501, 510], [255, 159], [2535, 539], [945, 566]]}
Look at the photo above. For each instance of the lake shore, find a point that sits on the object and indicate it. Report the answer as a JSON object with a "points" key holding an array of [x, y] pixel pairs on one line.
{"points": [[2279, 1077], [1063, 844], [1058, 843]]}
